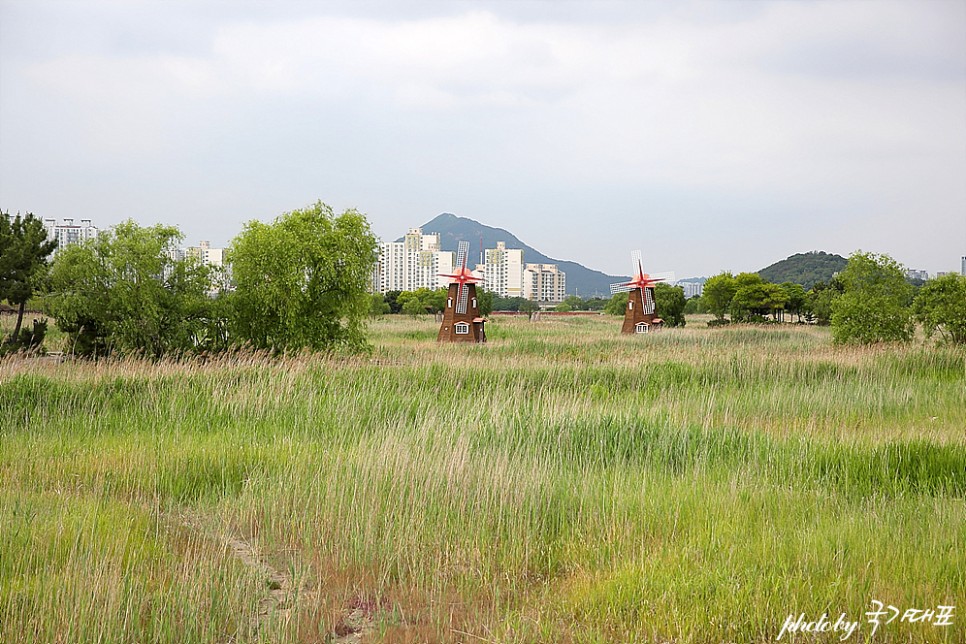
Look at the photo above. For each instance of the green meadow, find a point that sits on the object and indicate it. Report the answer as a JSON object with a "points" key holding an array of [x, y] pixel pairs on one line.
{"points": [[561, 483]]}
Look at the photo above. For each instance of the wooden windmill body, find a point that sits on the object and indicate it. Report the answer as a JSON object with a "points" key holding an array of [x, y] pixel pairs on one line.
{"points": [[461, 317], [640, 315]]}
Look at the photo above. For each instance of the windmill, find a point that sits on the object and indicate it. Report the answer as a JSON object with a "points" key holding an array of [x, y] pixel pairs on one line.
{"points": [[640, 316], [461, 317]]}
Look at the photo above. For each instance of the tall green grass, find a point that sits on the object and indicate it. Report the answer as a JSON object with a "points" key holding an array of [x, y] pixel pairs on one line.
{"points": [[561, 483]]}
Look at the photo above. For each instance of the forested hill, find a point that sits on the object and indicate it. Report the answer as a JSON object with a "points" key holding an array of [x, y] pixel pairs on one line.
{"points": [[452, 229], [804, 268]]}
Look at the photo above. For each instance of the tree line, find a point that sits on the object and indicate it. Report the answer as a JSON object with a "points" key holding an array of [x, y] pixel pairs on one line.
{"points": [[670, 302], [869, 301], [425, 300], [301, 281]]}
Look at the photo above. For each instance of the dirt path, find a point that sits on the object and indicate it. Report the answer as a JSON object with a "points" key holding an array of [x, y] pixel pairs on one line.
{"points": [[283, 595], [279, 600]]}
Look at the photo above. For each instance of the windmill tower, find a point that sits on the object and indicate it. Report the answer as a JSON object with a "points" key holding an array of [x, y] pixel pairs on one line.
{"points": [[461, 317], [640, 315]]}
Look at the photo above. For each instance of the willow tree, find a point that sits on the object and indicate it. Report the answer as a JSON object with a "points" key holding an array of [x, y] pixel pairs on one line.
{"points": [[303, 281], [124, 293], [669, 302]]}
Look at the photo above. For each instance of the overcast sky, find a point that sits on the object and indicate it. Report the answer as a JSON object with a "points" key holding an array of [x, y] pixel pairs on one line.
{"points": [[711, 136]]}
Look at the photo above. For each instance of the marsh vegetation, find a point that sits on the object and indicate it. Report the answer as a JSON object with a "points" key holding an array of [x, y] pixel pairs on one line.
{"points": [[560, 483]]}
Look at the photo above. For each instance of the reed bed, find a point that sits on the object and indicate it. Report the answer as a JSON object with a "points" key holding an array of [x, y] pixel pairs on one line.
{"points": [[561, 483]]}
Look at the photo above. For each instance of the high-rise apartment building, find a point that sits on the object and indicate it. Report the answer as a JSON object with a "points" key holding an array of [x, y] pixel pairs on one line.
{"points": [[503, 270], [415, 262], [691, 289], [544, 283], [68, 232], [208, 255]]}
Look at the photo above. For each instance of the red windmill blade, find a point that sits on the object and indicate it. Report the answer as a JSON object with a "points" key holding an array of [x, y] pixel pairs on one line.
{"points": [[461, 276], [640, 280]]}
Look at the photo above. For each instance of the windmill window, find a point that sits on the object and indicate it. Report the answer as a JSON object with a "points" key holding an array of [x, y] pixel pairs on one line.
{"points": [[461, 328], [630, 305], [640, 327], [449, 302], [474, 302]]}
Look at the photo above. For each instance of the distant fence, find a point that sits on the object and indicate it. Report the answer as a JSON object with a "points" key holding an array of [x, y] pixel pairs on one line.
{"points": [[547, 313]]}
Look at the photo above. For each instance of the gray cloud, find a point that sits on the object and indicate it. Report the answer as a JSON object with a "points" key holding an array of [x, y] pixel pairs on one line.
{"points": [[713, 135]]}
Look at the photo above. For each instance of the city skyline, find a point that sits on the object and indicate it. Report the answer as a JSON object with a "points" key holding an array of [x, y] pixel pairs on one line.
{"points": [[55, 231], [418, 261], [715, 136]]}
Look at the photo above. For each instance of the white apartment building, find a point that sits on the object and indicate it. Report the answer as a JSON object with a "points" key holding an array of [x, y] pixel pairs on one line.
{"points": [[691, 289], [415, 262], [203, 252], [68, 232], [390, 274], [208, 255], [503, 270], [424, 260], [544, 283]]}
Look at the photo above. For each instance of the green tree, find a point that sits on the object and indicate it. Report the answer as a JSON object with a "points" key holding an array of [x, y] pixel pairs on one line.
{"points": [[507, 303], [392, 299], [617, 304], [484, 300], [669, 301], [748, 279], [24, 250], [775, 301], [595, 304], [874, 304], [422, 301], [718, 293], [819, 300], [574, 303], [122, 292], [794, 298], [409, 303], [302, 281], [748, 300], [436, 299], [412, 305], [695, 305], [755, 298], [529, 307], [379, 305], [940, 306]]}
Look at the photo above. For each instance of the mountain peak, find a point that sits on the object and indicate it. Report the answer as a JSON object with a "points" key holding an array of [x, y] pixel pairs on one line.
{"points": [[804, 268], [443, 217], [453, 229]]}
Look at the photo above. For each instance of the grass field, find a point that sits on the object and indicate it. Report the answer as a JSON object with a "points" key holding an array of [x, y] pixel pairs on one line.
{"points": [[560, 483]]}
